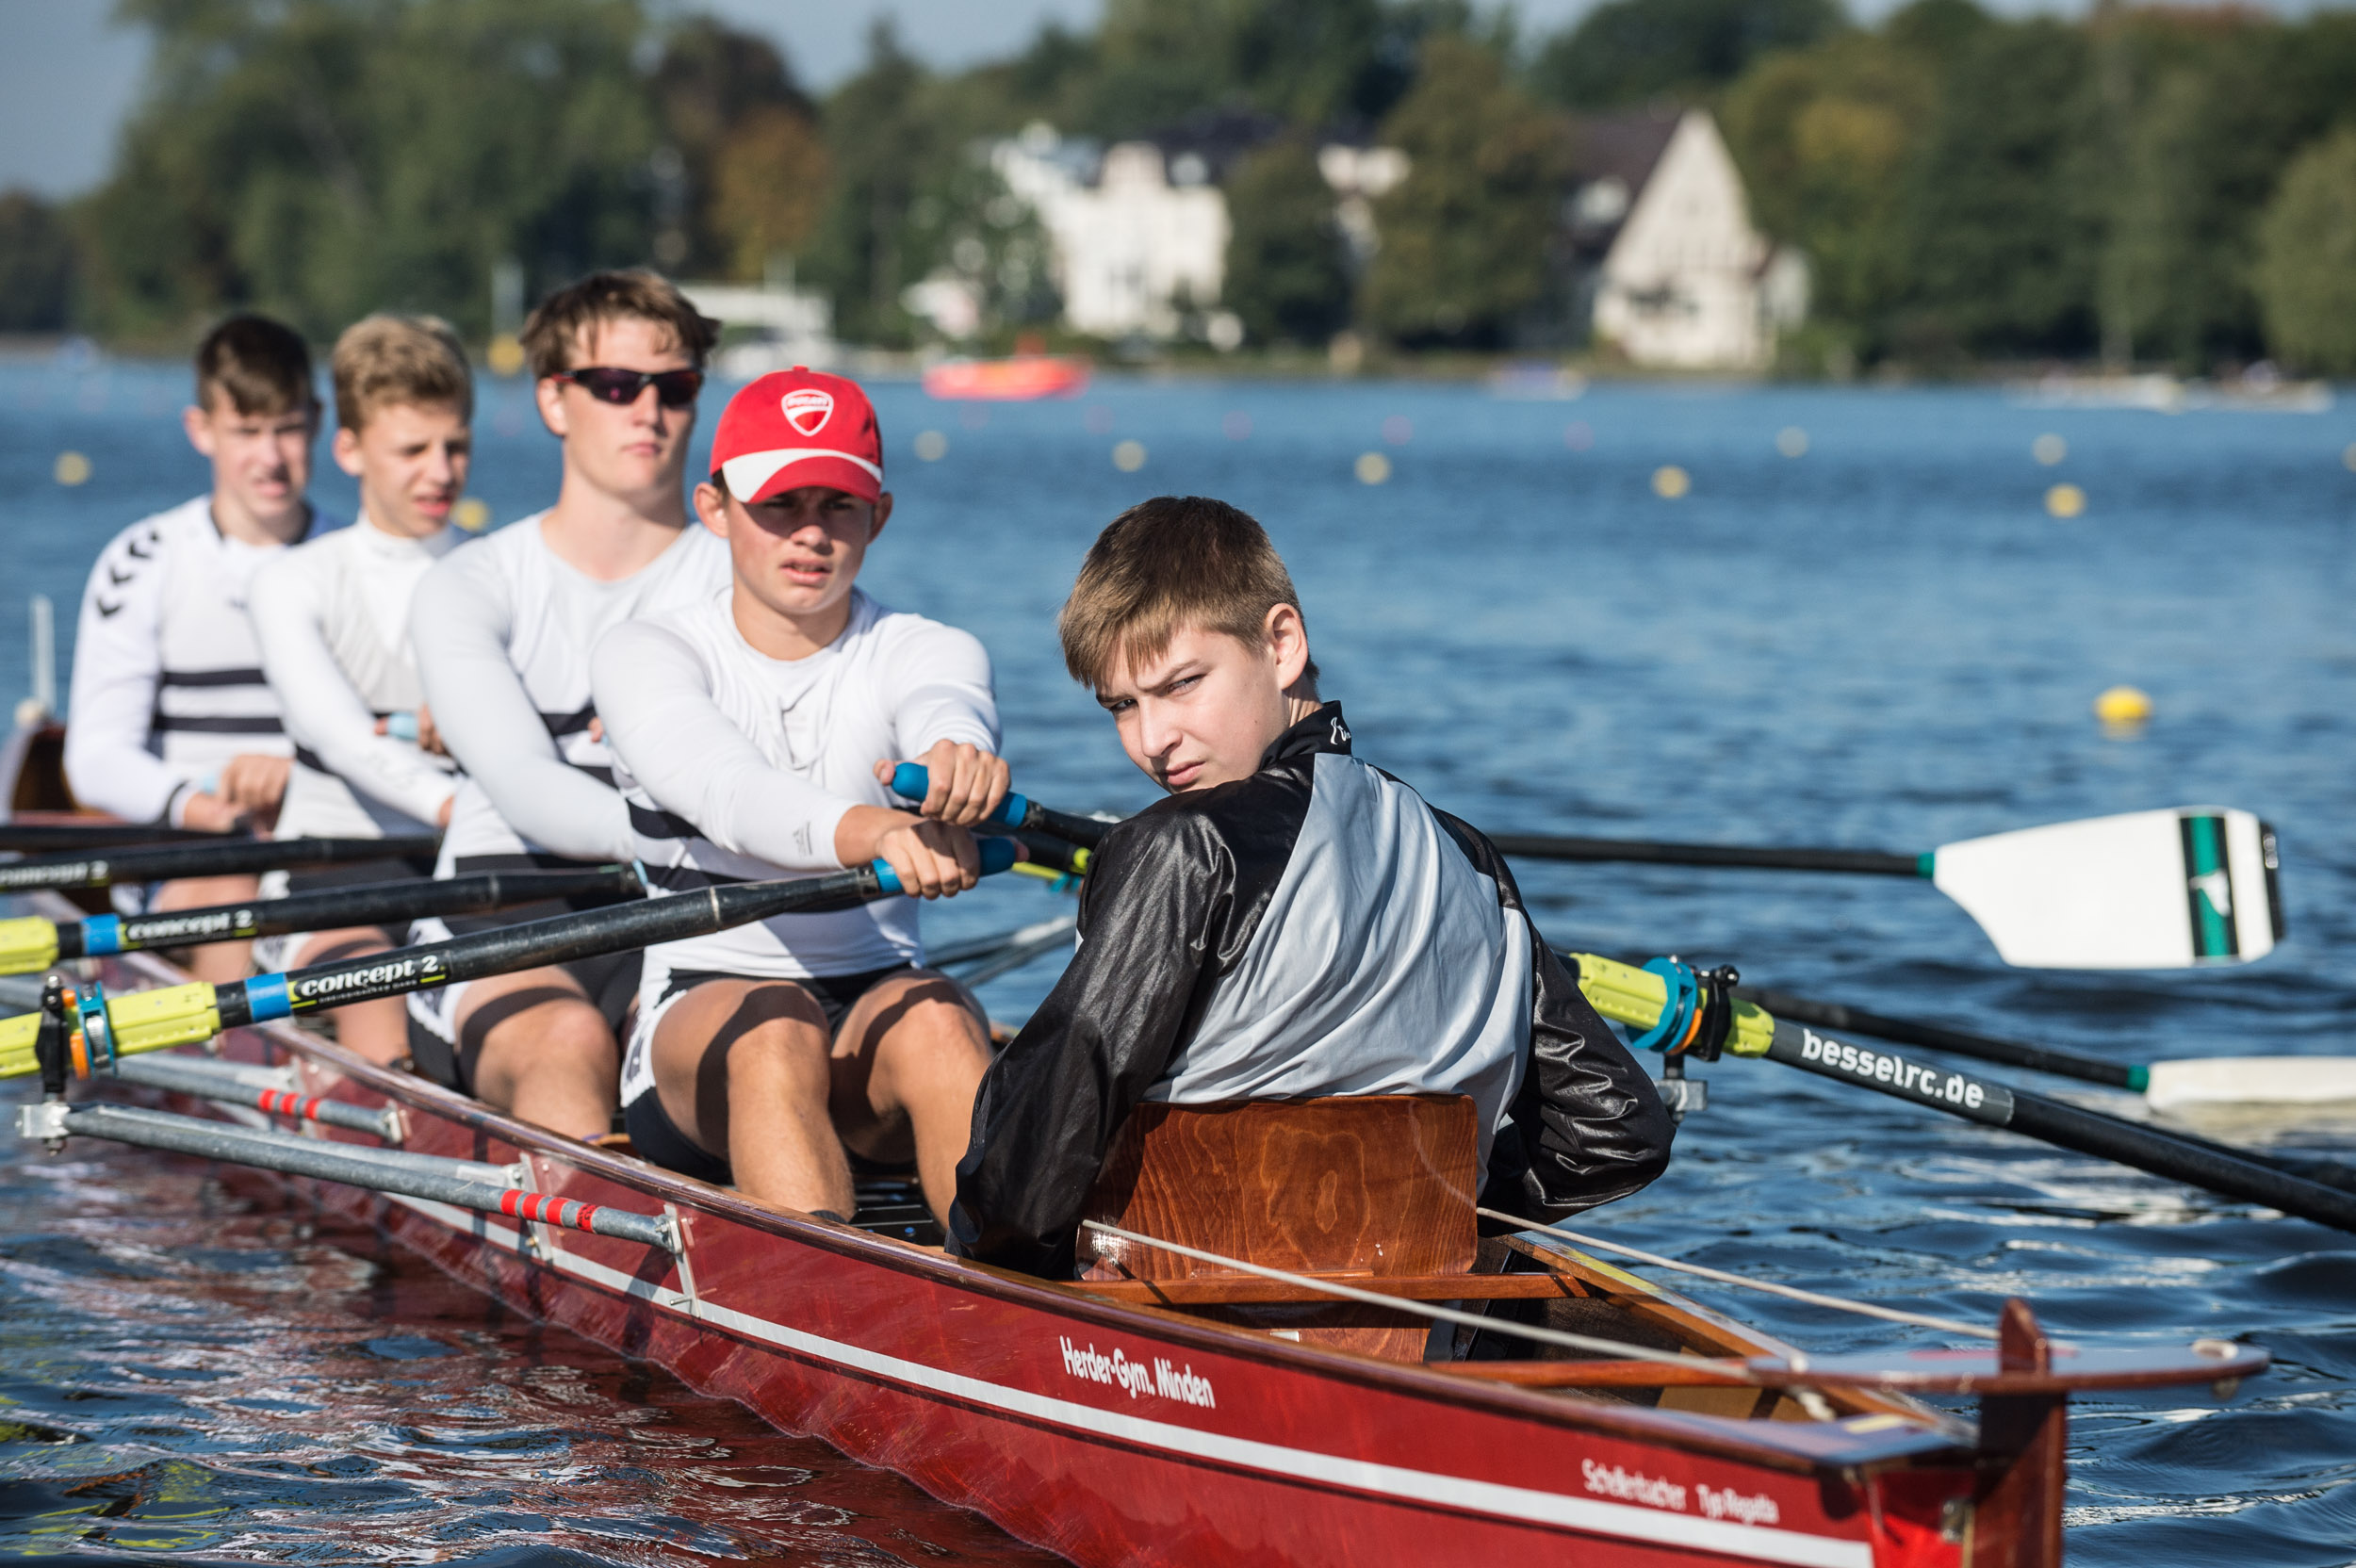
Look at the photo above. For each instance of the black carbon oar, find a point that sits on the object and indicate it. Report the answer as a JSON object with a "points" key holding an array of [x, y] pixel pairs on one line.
{"points": [[1644, 998], [2167, 1083], [233, 858], [40, 838], [185, 1015], [32, 943]]}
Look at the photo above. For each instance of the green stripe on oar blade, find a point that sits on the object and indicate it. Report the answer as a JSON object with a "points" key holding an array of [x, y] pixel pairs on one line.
{"points": [[2144, 890]]}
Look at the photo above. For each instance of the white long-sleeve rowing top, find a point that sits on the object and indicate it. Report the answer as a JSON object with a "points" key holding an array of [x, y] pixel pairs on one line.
{"points": [[331, 617], [502, 630], [738, 767], [168, 680]]}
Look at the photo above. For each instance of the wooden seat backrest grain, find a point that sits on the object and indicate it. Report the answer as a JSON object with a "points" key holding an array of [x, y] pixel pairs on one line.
{"points": [[1379, 1183]]}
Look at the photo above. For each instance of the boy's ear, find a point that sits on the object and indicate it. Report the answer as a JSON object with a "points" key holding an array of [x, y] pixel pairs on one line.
{"points": [[1287, 643], [713, 507], [883, 515], [346, 446]]}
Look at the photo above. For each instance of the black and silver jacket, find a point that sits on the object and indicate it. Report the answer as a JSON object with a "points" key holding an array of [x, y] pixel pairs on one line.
{"points": [[1316, 928]]}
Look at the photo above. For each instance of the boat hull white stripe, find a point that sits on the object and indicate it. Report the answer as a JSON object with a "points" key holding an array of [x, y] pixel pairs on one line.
{"points": [[1761, 1544]]}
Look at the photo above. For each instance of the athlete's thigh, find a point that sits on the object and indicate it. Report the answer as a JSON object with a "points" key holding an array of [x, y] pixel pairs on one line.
{"points": [[498, 1006], [701, 1025], [902, 1018]]}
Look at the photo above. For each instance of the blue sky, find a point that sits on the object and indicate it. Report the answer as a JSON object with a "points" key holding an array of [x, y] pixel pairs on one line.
{"points": [[67, 77]]}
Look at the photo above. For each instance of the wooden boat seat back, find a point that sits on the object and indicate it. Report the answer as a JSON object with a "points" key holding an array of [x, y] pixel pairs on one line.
{"points": [[1375, 1184]]}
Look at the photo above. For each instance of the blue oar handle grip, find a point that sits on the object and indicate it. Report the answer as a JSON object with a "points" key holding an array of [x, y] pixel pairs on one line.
{"points": [[910, 781], [997, 856], [402, 726]]}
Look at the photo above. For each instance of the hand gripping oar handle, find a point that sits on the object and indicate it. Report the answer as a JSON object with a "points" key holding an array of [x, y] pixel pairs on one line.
{"points": [[184, 1015], [31, 943], [910, 781], [234, 858], [1871, 862], [1639, 997]]}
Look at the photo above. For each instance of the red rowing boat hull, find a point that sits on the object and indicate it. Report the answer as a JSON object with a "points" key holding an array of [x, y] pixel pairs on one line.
{"points": [[1119, 1435]]}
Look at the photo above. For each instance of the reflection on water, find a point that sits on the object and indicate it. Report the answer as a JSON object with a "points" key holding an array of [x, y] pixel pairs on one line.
{"points": [[199, 1370], [1883, 642]]}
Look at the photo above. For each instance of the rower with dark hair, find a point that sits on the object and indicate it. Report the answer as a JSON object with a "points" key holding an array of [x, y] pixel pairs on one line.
{"points": [[503, 630], [1291, 922], [171, 719]]}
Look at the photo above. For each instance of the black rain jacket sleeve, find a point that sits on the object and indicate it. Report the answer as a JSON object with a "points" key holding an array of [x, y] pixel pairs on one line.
{"points": [[1586, 1126], [1049, 1106]]}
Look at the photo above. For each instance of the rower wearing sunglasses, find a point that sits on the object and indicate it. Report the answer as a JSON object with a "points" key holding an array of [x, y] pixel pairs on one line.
{"points": [[502, 630]]}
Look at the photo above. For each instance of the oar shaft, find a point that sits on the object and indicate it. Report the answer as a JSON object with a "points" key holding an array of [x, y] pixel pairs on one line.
{"points": [[184, 1015], [41, 838], [1868, 862], [561, 939], [1996, 1105], [2062, 1064], [372, 904], [1983, 1048], [234, 858]]}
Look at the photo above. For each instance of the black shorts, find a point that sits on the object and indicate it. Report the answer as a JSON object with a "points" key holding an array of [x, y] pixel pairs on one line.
{"points": [[655, 1138], [438, 1050]]}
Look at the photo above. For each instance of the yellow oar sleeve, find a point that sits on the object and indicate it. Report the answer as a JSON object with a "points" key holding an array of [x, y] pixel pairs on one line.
{"points": [[1626, 994], [141, 1021], [159, 1020], [27, 945]]}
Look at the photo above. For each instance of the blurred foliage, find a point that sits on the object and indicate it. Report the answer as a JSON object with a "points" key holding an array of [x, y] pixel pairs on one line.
{"points": [[1966, 186], [36, 261], [1631, 52], [2306, 267], [1467, 236], [1285, 276]]}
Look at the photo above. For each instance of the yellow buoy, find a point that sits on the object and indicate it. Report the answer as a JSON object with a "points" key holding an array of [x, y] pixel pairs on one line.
{"points": [[931, 445], [2124, 706], [505, 355], [73, 468], [2064, 501], [1372, 467], [2049, 449], [473, 515], [1669, 481], [1129, 456]]}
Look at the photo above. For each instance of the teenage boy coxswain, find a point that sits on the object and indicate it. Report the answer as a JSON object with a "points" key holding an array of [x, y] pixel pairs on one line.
{"points": [[1291, 922], [756, 731], [333, 620], [503, 630], [171, 719]]}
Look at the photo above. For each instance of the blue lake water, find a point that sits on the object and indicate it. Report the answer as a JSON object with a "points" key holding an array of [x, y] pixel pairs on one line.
{"points": [[1883, 642]]}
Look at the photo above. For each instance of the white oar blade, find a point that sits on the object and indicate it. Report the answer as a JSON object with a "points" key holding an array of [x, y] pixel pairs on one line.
{"points": [[2252, 1081], [2148, 890]]}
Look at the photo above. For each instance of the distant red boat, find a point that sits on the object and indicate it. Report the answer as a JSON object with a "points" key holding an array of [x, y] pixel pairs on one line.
{"points": [[1023, 379]]}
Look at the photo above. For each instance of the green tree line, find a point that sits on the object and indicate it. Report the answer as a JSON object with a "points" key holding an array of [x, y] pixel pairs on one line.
{"points": [[2161, 185]]}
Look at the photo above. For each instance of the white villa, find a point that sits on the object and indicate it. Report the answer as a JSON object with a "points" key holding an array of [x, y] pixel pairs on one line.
{"points": [[1686, 281], [1137, 237]]}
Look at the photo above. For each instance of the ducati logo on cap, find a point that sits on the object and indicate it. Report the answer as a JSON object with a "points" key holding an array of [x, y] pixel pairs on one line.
{"points": [[808, 409]]}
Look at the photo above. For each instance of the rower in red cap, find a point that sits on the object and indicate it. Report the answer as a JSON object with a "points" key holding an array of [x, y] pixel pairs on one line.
{"points": [[756, 732]]}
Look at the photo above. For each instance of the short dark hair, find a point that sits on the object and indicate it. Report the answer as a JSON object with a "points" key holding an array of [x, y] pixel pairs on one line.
{"points": [[557, 323], [261, 366], [1172, 562]]}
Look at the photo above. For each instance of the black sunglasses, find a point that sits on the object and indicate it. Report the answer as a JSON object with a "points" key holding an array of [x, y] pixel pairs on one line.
{"points": [[676, 388]]}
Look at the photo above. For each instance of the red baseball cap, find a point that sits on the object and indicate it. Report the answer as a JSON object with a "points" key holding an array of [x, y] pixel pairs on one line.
{"points": [[799, 427]]}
